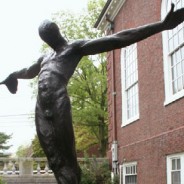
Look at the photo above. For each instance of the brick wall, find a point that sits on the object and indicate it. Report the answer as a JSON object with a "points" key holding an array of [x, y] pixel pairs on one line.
{"points": [[160, 129]]}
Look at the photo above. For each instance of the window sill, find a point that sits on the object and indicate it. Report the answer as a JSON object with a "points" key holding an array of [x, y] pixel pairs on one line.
{"points": [[173, 98], [129, 121]]}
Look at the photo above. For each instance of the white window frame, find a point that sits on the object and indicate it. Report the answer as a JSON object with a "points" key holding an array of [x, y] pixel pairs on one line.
{"points": [[123, 170], [125, 119], [169, 166], [169, 96]]}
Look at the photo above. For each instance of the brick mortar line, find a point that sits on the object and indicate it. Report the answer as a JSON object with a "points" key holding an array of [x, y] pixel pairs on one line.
{"points": [[153, 137]]}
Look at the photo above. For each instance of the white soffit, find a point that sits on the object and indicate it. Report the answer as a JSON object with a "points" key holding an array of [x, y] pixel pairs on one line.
{"points": [[111, 12]]}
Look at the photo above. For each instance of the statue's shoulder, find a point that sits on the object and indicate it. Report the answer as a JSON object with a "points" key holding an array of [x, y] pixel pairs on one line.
{"points": [[77, 44]]}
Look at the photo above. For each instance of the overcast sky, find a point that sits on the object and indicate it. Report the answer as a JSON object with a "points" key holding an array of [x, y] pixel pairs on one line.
{"points": [[20, 45]]}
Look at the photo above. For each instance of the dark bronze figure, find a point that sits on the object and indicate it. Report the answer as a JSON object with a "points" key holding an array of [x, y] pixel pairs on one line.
{"points": [[53, 110]]}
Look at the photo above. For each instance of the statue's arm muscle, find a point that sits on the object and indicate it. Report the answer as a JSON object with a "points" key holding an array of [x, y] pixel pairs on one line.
{"points": [[120, 39], [128, 37], [30, 72]]}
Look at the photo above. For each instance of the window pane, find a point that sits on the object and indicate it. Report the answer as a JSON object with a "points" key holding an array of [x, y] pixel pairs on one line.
{"points": [[178, 164], [176, 171], [181, 36], [131, 179], [130, 174], [130, 65], [179, 81], [175, 42], [173, 164], [178, 56], [178, 5], [131, 169], [182, 52], [175, 177], [174, 72], [132, 101], [178, 66], [177, 70], [131, 81]]}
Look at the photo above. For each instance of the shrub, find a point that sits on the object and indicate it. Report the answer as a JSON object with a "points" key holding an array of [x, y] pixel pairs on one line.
{"points": [[116, 180], [87, 177], [94, 172], [2, 181]]}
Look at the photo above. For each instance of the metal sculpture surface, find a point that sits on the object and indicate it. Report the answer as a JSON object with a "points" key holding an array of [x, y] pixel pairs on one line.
{"points": [[53, 109]]}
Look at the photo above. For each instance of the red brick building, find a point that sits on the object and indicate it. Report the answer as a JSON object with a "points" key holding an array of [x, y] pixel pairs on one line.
{"points": [[145, 95]]}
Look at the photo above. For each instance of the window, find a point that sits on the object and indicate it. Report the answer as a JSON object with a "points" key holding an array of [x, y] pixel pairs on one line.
{"points": [[175, 169], [128, 173], [129, 80], [173, 51]]}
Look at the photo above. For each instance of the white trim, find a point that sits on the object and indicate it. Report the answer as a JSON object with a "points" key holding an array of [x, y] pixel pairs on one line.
{"points": [[123, 170], [121, 173], [166, 59], [129, 121], [125, 120], [169, 96], [173, 98], [168, 168], [112, 11], [130, 163]]}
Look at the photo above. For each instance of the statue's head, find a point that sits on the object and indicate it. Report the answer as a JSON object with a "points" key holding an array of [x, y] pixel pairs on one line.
{"points": [[49, 33]]}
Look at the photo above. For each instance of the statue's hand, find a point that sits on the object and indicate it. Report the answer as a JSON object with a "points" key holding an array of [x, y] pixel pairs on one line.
{"points": [[11, 83], [173, 18]]}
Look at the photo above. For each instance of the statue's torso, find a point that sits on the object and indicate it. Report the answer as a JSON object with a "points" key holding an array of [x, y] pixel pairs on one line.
{"points": [[56, 70]]}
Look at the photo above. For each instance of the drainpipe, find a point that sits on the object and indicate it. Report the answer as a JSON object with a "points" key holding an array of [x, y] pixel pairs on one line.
{"points": [[114, 147]]}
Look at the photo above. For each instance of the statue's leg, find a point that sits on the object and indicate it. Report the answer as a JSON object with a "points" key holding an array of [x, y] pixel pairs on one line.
{"points": [[57, 140], [66, 142]]}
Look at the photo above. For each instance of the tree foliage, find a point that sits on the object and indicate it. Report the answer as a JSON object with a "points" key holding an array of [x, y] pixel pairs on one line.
{"points": [[88, 95], [24, 151], [3, 142], [80, 26], [94, 172], [37, 149]]}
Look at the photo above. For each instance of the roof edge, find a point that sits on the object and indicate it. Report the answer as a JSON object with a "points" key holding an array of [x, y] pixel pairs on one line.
{"points": [[102, 13], [111, 9]]}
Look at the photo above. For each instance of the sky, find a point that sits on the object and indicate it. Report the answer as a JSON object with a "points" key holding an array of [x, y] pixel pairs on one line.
{"points": [[20, 46]]}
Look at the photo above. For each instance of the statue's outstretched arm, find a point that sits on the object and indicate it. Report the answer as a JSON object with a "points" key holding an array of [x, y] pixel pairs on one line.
{"points": [[27, 73], [128, 37], [30, 72]]}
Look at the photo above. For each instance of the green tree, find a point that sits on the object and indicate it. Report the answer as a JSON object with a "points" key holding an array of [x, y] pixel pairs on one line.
{"points": [[36, 148], [89, 104], [84, 139], [24, 151], [80, 26], [3, 142]]}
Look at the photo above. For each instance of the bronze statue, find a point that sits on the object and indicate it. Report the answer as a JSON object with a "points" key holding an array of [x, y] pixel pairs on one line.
{"points": [[53, 110]]}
